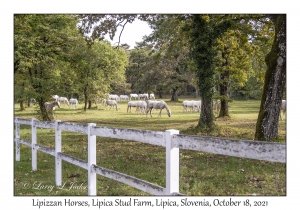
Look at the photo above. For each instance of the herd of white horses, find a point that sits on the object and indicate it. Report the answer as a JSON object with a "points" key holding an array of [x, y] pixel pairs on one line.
{"points": [[143, 103]]}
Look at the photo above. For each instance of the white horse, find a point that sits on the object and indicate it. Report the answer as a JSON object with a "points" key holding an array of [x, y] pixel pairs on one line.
{"points": [[143, 96], [113, 97], [186, 104], [131, 104], [74, 101], [64, 99], [111, 103], [124, 97], [157, 105], [56, 97], [197, 104], [133, 95], [50, 107], [191, 104], [141, 106], [151, 96]]}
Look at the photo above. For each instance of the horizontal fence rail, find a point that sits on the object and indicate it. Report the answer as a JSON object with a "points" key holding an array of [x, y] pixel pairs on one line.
{"points": [[170, 139], [144, 136], [73, 127], [75, 161], [132, 181], [269, 151]]}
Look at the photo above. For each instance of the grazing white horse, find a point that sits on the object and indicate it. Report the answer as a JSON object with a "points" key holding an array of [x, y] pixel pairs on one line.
{"points": [[186, 104], [133, 95], [131, 104], [157, 105], [74, 101], [113, 97], [50, 107], [142, 106], [64, 99], [151, 96], [191, 105], [197, 104], [124, 97], [143, 96], [111, 103]]}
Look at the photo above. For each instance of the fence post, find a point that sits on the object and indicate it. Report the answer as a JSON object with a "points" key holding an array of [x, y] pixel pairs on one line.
{"points": [[92, 181], [58, 162], [17, 139], [33, 143], [172, 163]]}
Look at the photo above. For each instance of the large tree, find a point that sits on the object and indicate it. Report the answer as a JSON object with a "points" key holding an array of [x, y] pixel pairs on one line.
{"points": [[97, 66], [274, 83], [205, 29]]}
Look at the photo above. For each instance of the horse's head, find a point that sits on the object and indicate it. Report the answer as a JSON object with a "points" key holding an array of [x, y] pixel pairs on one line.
{"points": [[169, 112]]}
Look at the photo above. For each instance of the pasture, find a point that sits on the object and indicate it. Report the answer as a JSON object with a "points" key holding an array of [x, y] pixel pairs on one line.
{"points": [[200, 173]]}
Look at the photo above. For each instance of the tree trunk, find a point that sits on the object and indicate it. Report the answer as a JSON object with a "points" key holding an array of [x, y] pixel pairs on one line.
{"points": [[206, 116], [85, 98], [224, 94], [275, 80], [22, 108], [174, 95], [160, 93], [90, 104], [44, 114]]}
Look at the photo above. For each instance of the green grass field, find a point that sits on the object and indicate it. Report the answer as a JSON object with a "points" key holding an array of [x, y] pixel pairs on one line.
{"points": [[200, 173]]}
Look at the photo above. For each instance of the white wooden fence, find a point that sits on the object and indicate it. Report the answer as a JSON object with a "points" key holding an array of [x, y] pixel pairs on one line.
{"points": [[170, 139]]}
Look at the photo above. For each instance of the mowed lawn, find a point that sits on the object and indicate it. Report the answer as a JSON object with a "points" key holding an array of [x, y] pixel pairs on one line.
{"points": [[200, 173]]}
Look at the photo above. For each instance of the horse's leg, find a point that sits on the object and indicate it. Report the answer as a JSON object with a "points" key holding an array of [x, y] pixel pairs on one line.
{"points": [[146, 112], [160, 112]]}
